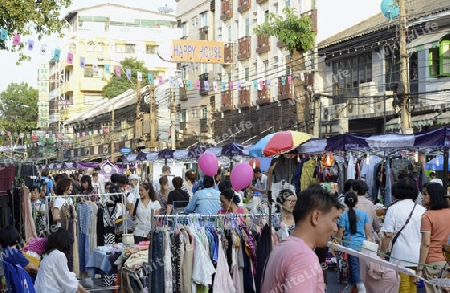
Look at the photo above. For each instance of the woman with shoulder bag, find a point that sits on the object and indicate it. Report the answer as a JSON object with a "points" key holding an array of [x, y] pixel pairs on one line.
{"points": [[435, 232], [401, 227]]}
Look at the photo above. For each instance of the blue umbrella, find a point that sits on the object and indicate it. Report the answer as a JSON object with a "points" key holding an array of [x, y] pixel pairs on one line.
{"points": [[436, 164], [232, 149], [141, 156], [257, 150]]}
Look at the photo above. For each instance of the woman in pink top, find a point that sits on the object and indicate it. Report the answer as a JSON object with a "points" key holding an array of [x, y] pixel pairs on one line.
{"points": [[229, 201]]}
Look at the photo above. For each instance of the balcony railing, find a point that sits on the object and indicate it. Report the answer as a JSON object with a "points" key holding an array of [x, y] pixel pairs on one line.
{"points": [[262, 44], [226, 10], [244, 48], [226, 101], [228, 53], [284, 90], [244, 98], [263, 96], [244, 5], [204, 33]]}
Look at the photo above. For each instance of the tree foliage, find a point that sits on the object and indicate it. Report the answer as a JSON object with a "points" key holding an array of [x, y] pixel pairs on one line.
{"points": [[296, 32], [37, 18], [18, 108], [118, 85]]}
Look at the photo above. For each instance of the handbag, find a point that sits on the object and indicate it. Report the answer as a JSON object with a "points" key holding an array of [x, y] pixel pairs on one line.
{"points": [[400, 231]]}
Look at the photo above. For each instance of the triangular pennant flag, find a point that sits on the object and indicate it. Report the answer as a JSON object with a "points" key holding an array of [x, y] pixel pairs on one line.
{"points": [[289, 79], [101, 131], [189, 84], [47, 135], [78, 134], [206, 85], [107, 69], [59, 135], [161, 80], [239, 86], [283, 80], [268, 83], [95, 66], [83, 134], [224, 85], [69, 58], [171, 80], [197, 84], [118, 73], [247, 84], [215, 85], [128, 72], [231, 85], [30, 45], [3, 34], [95, 131], [90, 133], [139, 76], [181, 83], [16, 40], [43, 49], [150, 78], [260, 85], [56, 54], [255, 84], [28, 135], [82, 62]]}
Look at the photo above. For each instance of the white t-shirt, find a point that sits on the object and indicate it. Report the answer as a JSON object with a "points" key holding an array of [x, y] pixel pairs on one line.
{"points": [[58, 202], [407, 245], [143, 217], [262, 183], [437, 180]]}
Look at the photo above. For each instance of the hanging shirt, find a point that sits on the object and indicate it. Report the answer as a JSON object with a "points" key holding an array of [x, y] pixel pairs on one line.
{"points": [[351, 169]]}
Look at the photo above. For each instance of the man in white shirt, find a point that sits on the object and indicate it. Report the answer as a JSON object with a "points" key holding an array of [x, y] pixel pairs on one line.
{"points": [[101, 178], [434, 179], [164, 172], [259, 189]]}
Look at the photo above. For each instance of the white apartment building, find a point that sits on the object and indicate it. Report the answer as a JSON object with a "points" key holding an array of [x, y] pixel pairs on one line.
{"points": [[254, 65]]}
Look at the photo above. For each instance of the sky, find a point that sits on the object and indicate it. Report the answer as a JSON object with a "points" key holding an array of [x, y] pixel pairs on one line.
{"points": [[333, 16]]}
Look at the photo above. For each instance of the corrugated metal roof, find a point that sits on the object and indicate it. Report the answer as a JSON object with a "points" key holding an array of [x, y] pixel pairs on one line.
{"points": [[415, 10]]}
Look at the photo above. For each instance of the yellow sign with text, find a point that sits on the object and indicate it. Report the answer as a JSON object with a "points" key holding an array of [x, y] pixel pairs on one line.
{"points": [[198, 51]]}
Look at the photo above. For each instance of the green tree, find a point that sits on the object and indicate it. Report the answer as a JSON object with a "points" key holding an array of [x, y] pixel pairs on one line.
{"points": [[18, 110], [296, 32], [118, 85], [30, 18]]}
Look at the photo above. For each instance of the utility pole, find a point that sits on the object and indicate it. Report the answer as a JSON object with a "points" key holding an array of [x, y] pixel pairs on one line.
{"points": [[138, 103], [152, 121], [172, 119], [111, 135], [404, 78]]}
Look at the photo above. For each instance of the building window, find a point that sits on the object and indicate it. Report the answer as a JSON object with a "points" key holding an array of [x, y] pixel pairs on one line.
{"points": [[183, 116], [195, 113], [204, 67], [204, 19], [151, 49], [229, 33], [266, 69], [266, 15], [350, 72], [184, 28], [90, 47], [247, 27], [247, 73], [288, 3], [125, 48], [194, 22], [88, 71], [439, 59], [100, 48], [204, 112]]}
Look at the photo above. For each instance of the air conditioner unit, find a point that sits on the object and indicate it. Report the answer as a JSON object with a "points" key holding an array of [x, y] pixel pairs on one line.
{"points": [[366, 106], [368, 89], [380, 105], [328, 113]]}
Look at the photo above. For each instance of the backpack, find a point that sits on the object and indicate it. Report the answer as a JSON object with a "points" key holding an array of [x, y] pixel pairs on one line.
{"points": [[135, 207]]}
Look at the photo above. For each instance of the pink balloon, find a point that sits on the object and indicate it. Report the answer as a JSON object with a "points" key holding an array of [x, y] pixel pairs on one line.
{"points": [[241, 176], [208, 163]]}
